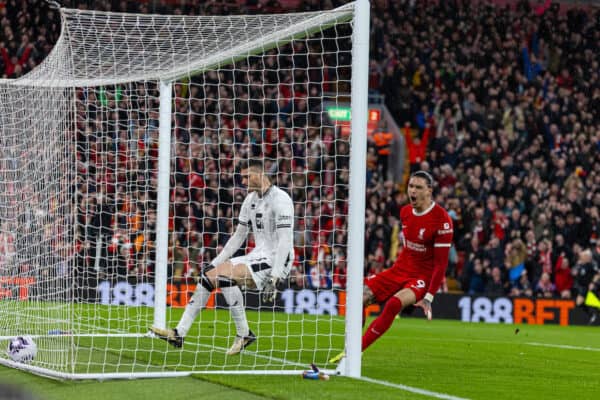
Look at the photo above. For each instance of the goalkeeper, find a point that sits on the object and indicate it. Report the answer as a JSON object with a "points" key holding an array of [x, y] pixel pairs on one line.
{"points": [[269, 211]]}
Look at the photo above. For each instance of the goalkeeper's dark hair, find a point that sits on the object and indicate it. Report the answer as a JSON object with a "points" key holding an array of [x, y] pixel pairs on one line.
{"points": [[254, 163], [426, 176]]}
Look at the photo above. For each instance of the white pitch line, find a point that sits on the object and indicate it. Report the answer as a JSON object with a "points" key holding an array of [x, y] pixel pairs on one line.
{"points": [[411, 389], [559, 346], [563, 346], [247, 352]]}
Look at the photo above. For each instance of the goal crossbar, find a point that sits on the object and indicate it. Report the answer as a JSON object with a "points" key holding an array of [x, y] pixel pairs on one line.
{"points": [[64, 69]]}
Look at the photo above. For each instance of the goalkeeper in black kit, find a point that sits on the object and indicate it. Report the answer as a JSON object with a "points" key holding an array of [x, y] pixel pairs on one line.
{"points": [[269, 212]]}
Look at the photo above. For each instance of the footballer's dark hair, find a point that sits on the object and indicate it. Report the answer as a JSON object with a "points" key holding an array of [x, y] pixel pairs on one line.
{"points": [[425, 176], [253, 163], [256, 163]]}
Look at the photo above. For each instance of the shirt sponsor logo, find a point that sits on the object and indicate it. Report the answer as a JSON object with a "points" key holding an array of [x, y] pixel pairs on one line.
{"points": [[444, 231], [416, 246]]}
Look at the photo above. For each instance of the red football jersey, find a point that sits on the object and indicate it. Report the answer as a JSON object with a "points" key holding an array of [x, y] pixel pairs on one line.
{"points": [[426, 238]]}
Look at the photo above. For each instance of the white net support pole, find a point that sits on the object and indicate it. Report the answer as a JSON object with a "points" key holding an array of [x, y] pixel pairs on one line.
{"points": [[356, 214], [162, 216]]}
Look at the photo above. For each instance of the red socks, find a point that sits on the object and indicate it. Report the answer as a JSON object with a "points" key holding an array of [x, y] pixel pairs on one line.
{"points": [[383, 322]]}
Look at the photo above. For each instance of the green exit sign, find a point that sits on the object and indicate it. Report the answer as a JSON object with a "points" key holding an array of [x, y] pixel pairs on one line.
{"points": [[339, 113]]}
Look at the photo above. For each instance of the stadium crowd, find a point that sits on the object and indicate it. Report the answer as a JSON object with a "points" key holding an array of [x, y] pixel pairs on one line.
{"points": [[501, 105], [508, 100]]}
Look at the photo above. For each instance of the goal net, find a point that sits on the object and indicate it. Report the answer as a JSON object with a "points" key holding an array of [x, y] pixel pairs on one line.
{"points": [[119, 177]]}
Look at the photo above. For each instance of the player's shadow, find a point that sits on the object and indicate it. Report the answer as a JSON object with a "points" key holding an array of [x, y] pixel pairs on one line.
{"points": [[412, 311], [11, 392]]}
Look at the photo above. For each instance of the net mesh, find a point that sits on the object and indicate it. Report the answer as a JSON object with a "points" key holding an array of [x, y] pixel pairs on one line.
{"points": [[79, 179], [106, 48], [35, 213]]}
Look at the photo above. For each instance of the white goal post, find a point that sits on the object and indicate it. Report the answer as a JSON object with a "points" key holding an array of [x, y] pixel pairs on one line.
{"points": [[119, 176]]}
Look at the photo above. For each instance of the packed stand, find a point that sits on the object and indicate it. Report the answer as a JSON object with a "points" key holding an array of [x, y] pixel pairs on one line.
{"points": [[500, 105], [277, 119], [507, 101], [28, 31]]}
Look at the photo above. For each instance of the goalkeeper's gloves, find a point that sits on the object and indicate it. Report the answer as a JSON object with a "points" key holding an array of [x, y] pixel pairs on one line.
{"points": [[270, 289], [205, 267]]}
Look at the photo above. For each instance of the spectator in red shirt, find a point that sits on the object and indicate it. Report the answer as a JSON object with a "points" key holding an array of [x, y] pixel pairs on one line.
{"points": [[13, 63], [563, 277], [417, 147]]}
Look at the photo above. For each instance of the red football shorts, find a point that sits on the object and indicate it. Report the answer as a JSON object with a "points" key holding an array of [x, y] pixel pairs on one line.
{"points": [[389, 282]]}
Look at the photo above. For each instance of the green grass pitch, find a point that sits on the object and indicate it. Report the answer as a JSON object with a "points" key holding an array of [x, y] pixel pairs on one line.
{"points": [[415, 359]]}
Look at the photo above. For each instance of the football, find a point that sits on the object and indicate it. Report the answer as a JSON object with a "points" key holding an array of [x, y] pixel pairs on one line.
{"points": [[22, 349]]}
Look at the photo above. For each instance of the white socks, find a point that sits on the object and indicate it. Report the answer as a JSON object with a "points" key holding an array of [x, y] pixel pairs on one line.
{"points": [[197, 302], [235, 299]]}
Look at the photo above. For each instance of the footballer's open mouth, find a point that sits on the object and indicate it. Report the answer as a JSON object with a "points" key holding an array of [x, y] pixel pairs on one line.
{"points": [[412, 199]]}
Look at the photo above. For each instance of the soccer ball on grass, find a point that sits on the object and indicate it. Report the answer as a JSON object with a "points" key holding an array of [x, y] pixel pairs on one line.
{"points": [[22, 349]]}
